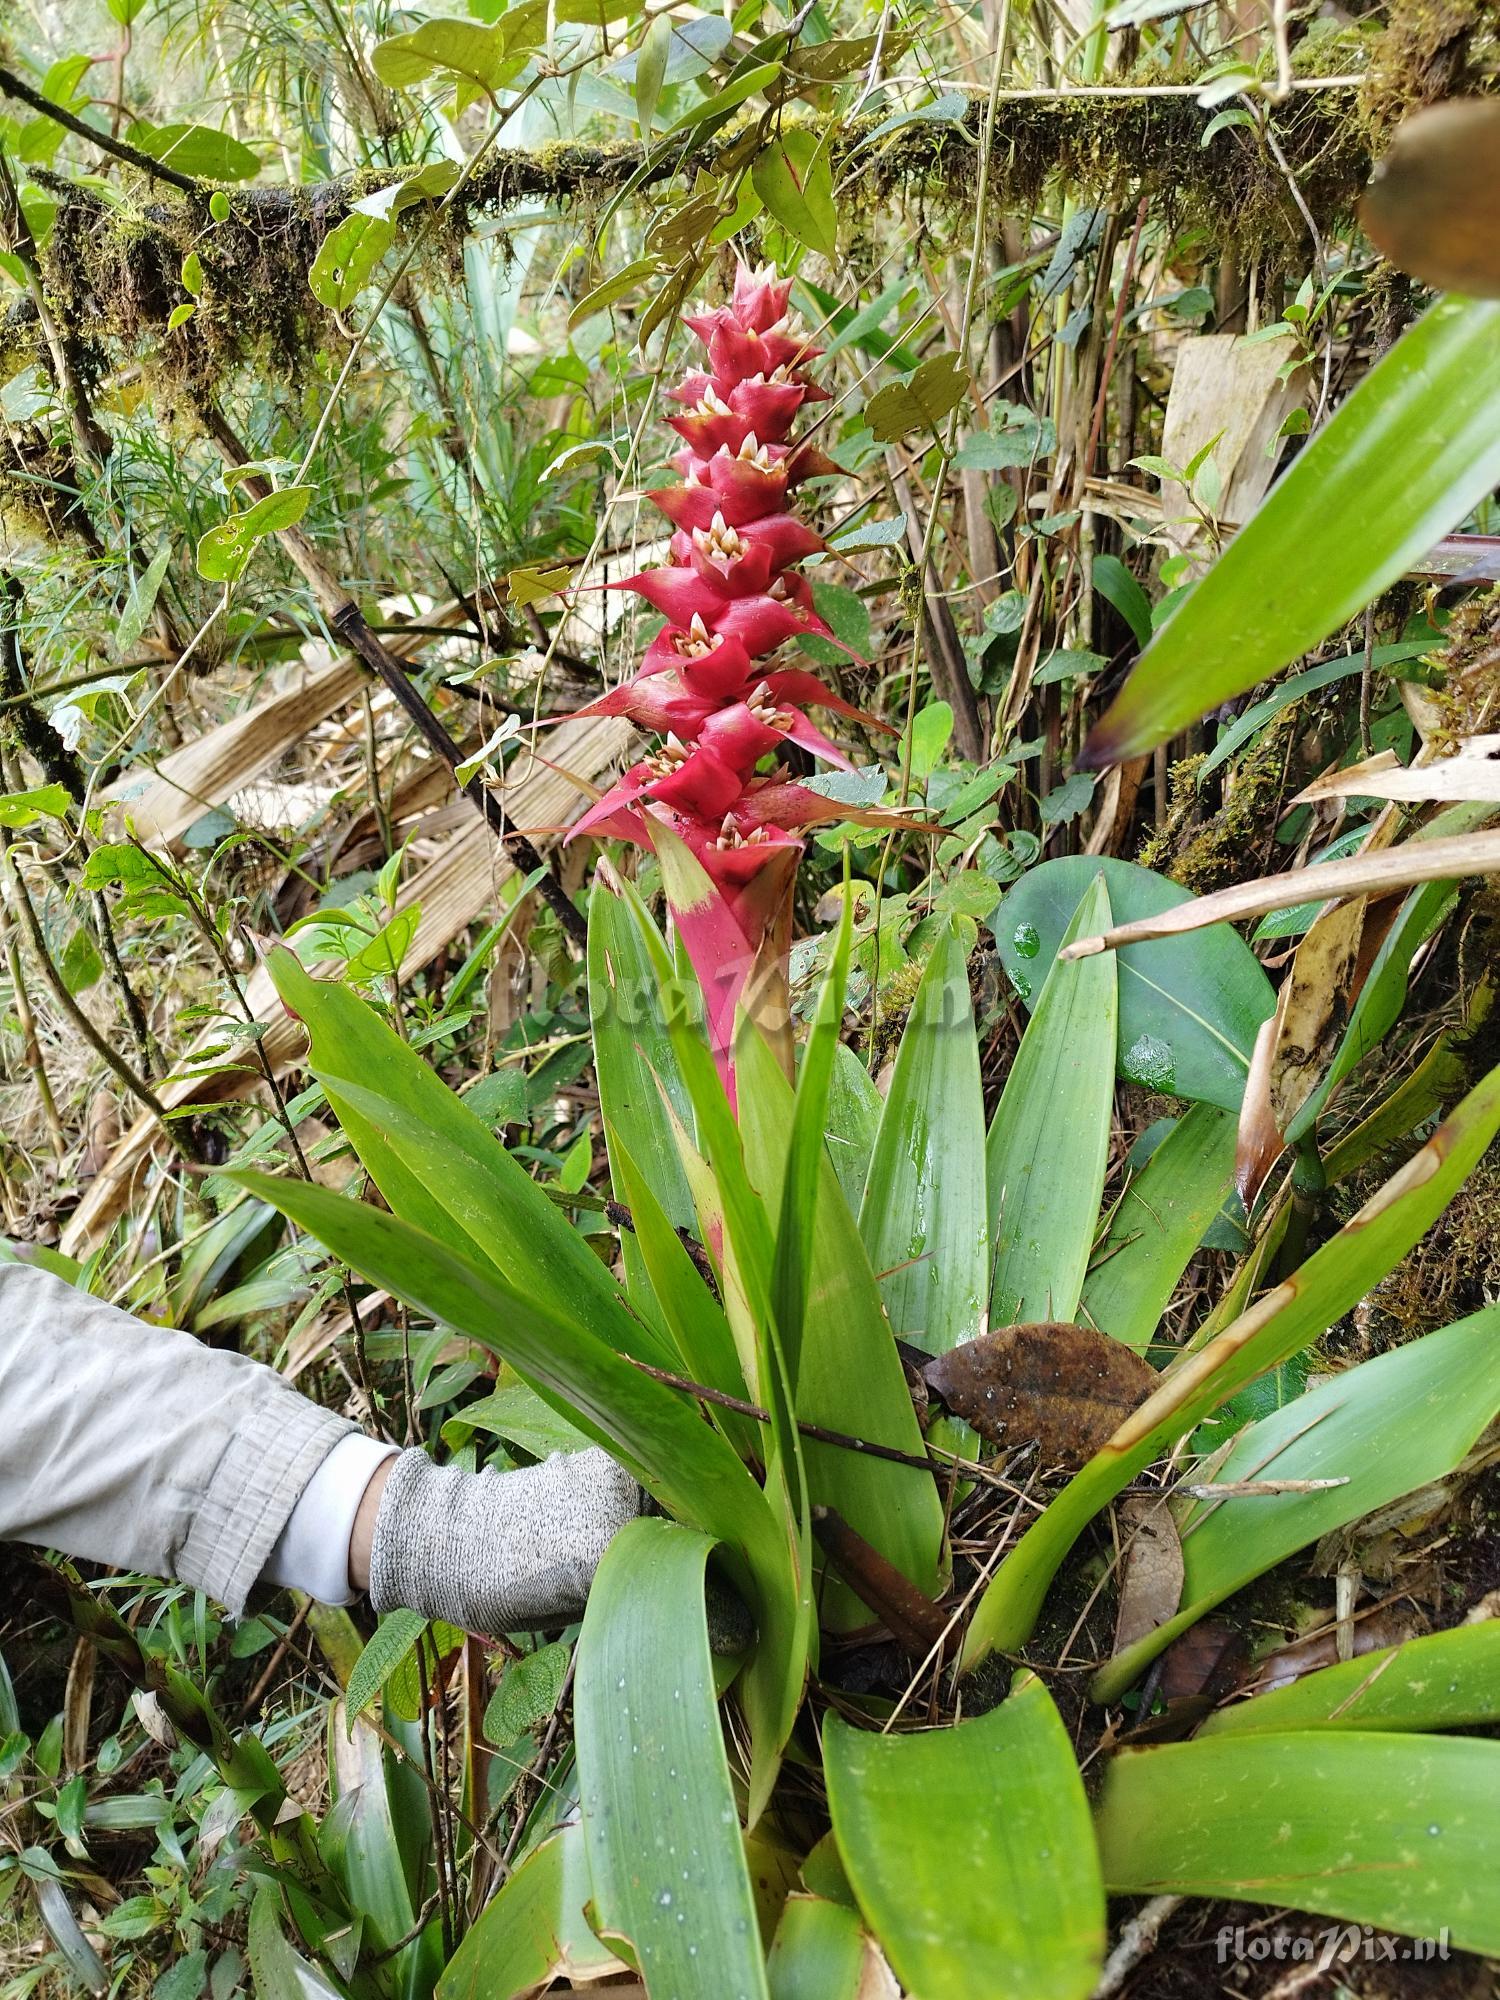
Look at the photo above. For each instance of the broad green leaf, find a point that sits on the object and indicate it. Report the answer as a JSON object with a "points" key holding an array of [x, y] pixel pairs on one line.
{"points": [[854, 1108], [932, 394], [395, 1636], [1118, 586], [1392, 1830], [793, 176], [1161, 1219], [1393, 1424], [1190, 1007], [666, 1858], [197, 150], [1445, 1680], [141, 601], [1049, 1140], [823, 1952], [849, 1376], [637, 1070], [970, 1851], [42, 802], [925, 1214], [1274, 1328], [534, 1931], [651, 70], [448, 45], [279, 1972], [1410, 452], [347, 258], [223, 551], [528, 1692]]}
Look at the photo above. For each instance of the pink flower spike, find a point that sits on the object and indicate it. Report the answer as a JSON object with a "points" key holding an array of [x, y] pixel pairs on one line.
{"points": [[681, 594], [762, 624]]}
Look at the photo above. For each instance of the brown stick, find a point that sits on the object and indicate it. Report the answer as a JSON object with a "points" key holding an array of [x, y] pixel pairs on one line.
{"points": [[818, 1432], [14, 86]]}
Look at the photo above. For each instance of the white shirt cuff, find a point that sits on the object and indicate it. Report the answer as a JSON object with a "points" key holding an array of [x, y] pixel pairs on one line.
{"points": [[312, 1550]]}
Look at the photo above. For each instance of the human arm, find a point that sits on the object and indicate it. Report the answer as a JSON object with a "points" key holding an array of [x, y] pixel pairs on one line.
{"points": [[131, 1444]]}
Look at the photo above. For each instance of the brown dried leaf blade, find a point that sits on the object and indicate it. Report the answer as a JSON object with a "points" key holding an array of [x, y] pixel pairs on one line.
{"points": [[1066, 1387]]}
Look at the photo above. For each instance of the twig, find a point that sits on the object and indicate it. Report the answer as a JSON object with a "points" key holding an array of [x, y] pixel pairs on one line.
{"points": [[820, 1434], [1137, 1939], [15, 86]]}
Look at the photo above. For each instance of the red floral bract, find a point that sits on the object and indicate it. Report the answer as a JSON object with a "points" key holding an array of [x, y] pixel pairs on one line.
{"points": [[732, 597]]}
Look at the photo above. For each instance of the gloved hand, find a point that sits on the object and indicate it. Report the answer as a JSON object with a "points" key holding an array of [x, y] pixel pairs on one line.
{"points": [[496, 1551]]}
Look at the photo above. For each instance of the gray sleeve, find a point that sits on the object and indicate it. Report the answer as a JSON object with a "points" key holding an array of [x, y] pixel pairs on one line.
{"points": [[130, 1444]]}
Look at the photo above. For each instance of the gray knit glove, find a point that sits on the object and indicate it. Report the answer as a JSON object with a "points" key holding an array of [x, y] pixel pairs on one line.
{"points": [[497, 1551]]}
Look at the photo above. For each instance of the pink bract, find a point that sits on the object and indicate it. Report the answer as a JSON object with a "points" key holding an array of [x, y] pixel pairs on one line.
{"points": [[732, 597]]}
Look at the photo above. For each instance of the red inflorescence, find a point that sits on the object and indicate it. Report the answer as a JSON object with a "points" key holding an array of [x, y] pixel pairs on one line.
{"points": [[732, 598]]}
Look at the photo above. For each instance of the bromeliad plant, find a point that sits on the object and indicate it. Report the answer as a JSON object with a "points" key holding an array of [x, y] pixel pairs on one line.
{"points": [[745, 1384]]}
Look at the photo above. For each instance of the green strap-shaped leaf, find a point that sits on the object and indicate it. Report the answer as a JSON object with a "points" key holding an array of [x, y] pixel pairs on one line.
{"points": [[1387, 1427], [970, 1852], [1269, 1332], [534, 1931], [1408, 455], [854, 1108], [693, 1317], [633, 1054], [1049, 1142], [850, 1378], [1444, 1680], [1392, 1830], [666, 1857], [925, 1214], [1159, 1223], [441, 1169]]}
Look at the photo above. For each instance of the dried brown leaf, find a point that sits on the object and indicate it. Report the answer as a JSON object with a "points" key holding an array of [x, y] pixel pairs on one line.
{"points": [[1067, 1388], [1473, 772], [1313, 1007], [1378, 873], [1434, 204], [1151, 1568]]}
